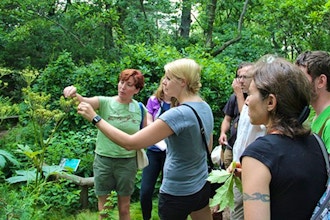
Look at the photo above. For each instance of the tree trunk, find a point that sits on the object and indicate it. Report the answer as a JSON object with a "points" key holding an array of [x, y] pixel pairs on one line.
{"points": [[185, 19], [209, 30], [108, 36]]}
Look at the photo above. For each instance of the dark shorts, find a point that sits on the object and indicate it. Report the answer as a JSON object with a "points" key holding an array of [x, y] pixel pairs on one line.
{"points": [[114, 174], [179, 207]]}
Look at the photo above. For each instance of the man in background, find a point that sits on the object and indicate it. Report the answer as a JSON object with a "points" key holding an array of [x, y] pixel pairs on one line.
{"points": [[246, 134], [316, 66], [232, 110]]}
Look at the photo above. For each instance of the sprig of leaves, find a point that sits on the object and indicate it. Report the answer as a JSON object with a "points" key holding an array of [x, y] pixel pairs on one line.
{"points": [[224, 194]]}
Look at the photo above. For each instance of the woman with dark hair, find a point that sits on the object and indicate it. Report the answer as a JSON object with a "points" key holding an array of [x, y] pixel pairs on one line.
{"points": [[283, 173], [114, 167]]}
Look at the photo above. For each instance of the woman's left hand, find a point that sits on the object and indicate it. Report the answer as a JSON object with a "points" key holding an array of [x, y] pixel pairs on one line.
{"points": [[86, 110]]}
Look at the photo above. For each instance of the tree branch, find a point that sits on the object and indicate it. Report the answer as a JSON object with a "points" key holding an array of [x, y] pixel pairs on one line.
{"points": [[78, 180], [239, 32]]}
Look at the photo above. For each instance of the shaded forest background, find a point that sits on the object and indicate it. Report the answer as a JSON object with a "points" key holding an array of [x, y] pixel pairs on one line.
{"points": [[46, 45]]}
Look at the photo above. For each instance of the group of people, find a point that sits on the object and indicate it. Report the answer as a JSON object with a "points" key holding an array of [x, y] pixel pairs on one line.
{"points": [[272, 143]]}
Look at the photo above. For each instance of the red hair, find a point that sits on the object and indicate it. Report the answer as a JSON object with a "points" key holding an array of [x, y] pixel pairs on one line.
{"points": [[137, 76]]}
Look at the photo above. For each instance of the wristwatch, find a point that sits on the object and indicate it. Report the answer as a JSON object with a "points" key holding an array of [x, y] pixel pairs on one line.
{"points": [[96, 119]]}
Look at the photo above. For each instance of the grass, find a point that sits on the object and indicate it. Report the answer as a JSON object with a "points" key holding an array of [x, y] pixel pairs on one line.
{"points": [[135, 209]]}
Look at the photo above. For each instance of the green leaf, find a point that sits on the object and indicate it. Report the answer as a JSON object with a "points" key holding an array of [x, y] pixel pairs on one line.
{"points": [[50, 170], [218, 176], [4, 155], [2, 161], [23, 176], [25, 149], [224, 194]]}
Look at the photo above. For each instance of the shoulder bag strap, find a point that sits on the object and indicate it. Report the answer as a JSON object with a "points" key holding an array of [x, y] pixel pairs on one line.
{"points": [[203, 135], [142, 114], [324, 152], [322, 128], [323, 204]]}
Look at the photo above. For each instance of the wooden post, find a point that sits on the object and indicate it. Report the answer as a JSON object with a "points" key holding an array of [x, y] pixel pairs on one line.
{"points": [[83, 182]]}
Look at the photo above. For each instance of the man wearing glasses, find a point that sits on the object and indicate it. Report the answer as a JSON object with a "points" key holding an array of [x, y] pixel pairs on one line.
{"points": [[233, 108]]}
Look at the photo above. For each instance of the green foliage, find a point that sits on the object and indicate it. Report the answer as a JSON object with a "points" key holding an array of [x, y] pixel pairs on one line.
{"points": [[135, 209], [23, 176], [74, 144], [7, 109], [42, 119], [6, 156], [60, 198], [16, 204], [96, 78], [58, 72], [41, 30], [224, 194], [3, 72], [150, 59]]}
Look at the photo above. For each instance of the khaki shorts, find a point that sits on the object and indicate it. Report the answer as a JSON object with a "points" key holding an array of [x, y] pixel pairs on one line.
{"points": [[114, 174]]}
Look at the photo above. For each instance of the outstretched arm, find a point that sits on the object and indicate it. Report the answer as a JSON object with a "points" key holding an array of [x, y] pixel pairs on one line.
{"points": [[151, 134]]}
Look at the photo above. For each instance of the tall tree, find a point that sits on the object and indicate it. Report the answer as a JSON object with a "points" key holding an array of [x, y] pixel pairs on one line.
{"points": [[185, 19], [212, 6]]}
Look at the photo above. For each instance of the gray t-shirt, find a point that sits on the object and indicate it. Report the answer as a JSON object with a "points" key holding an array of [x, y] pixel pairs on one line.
{"points": [[185, 170]]}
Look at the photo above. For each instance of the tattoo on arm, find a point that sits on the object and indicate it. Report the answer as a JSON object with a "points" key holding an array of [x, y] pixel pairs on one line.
{"points": [[256, 196]]}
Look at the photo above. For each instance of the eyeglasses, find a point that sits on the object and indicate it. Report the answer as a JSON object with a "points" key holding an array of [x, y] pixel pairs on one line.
{"points": [[243, 77]]}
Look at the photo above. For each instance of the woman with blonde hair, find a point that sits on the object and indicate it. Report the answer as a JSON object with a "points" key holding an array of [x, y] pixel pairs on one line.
{"points": [[157, 104]]}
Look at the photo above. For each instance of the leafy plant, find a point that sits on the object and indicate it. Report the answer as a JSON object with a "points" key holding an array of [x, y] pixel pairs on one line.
{"points": [[7, 109], [17, 204], [224, 194], [45, 123], [74, 144], [6, 156]]}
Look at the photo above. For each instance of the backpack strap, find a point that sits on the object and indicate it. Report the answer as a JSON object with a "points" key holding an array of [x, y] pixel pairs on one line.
{"points": [[142, 114], [323, 126], [324, 152], [203, 135], [323, 205]]}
